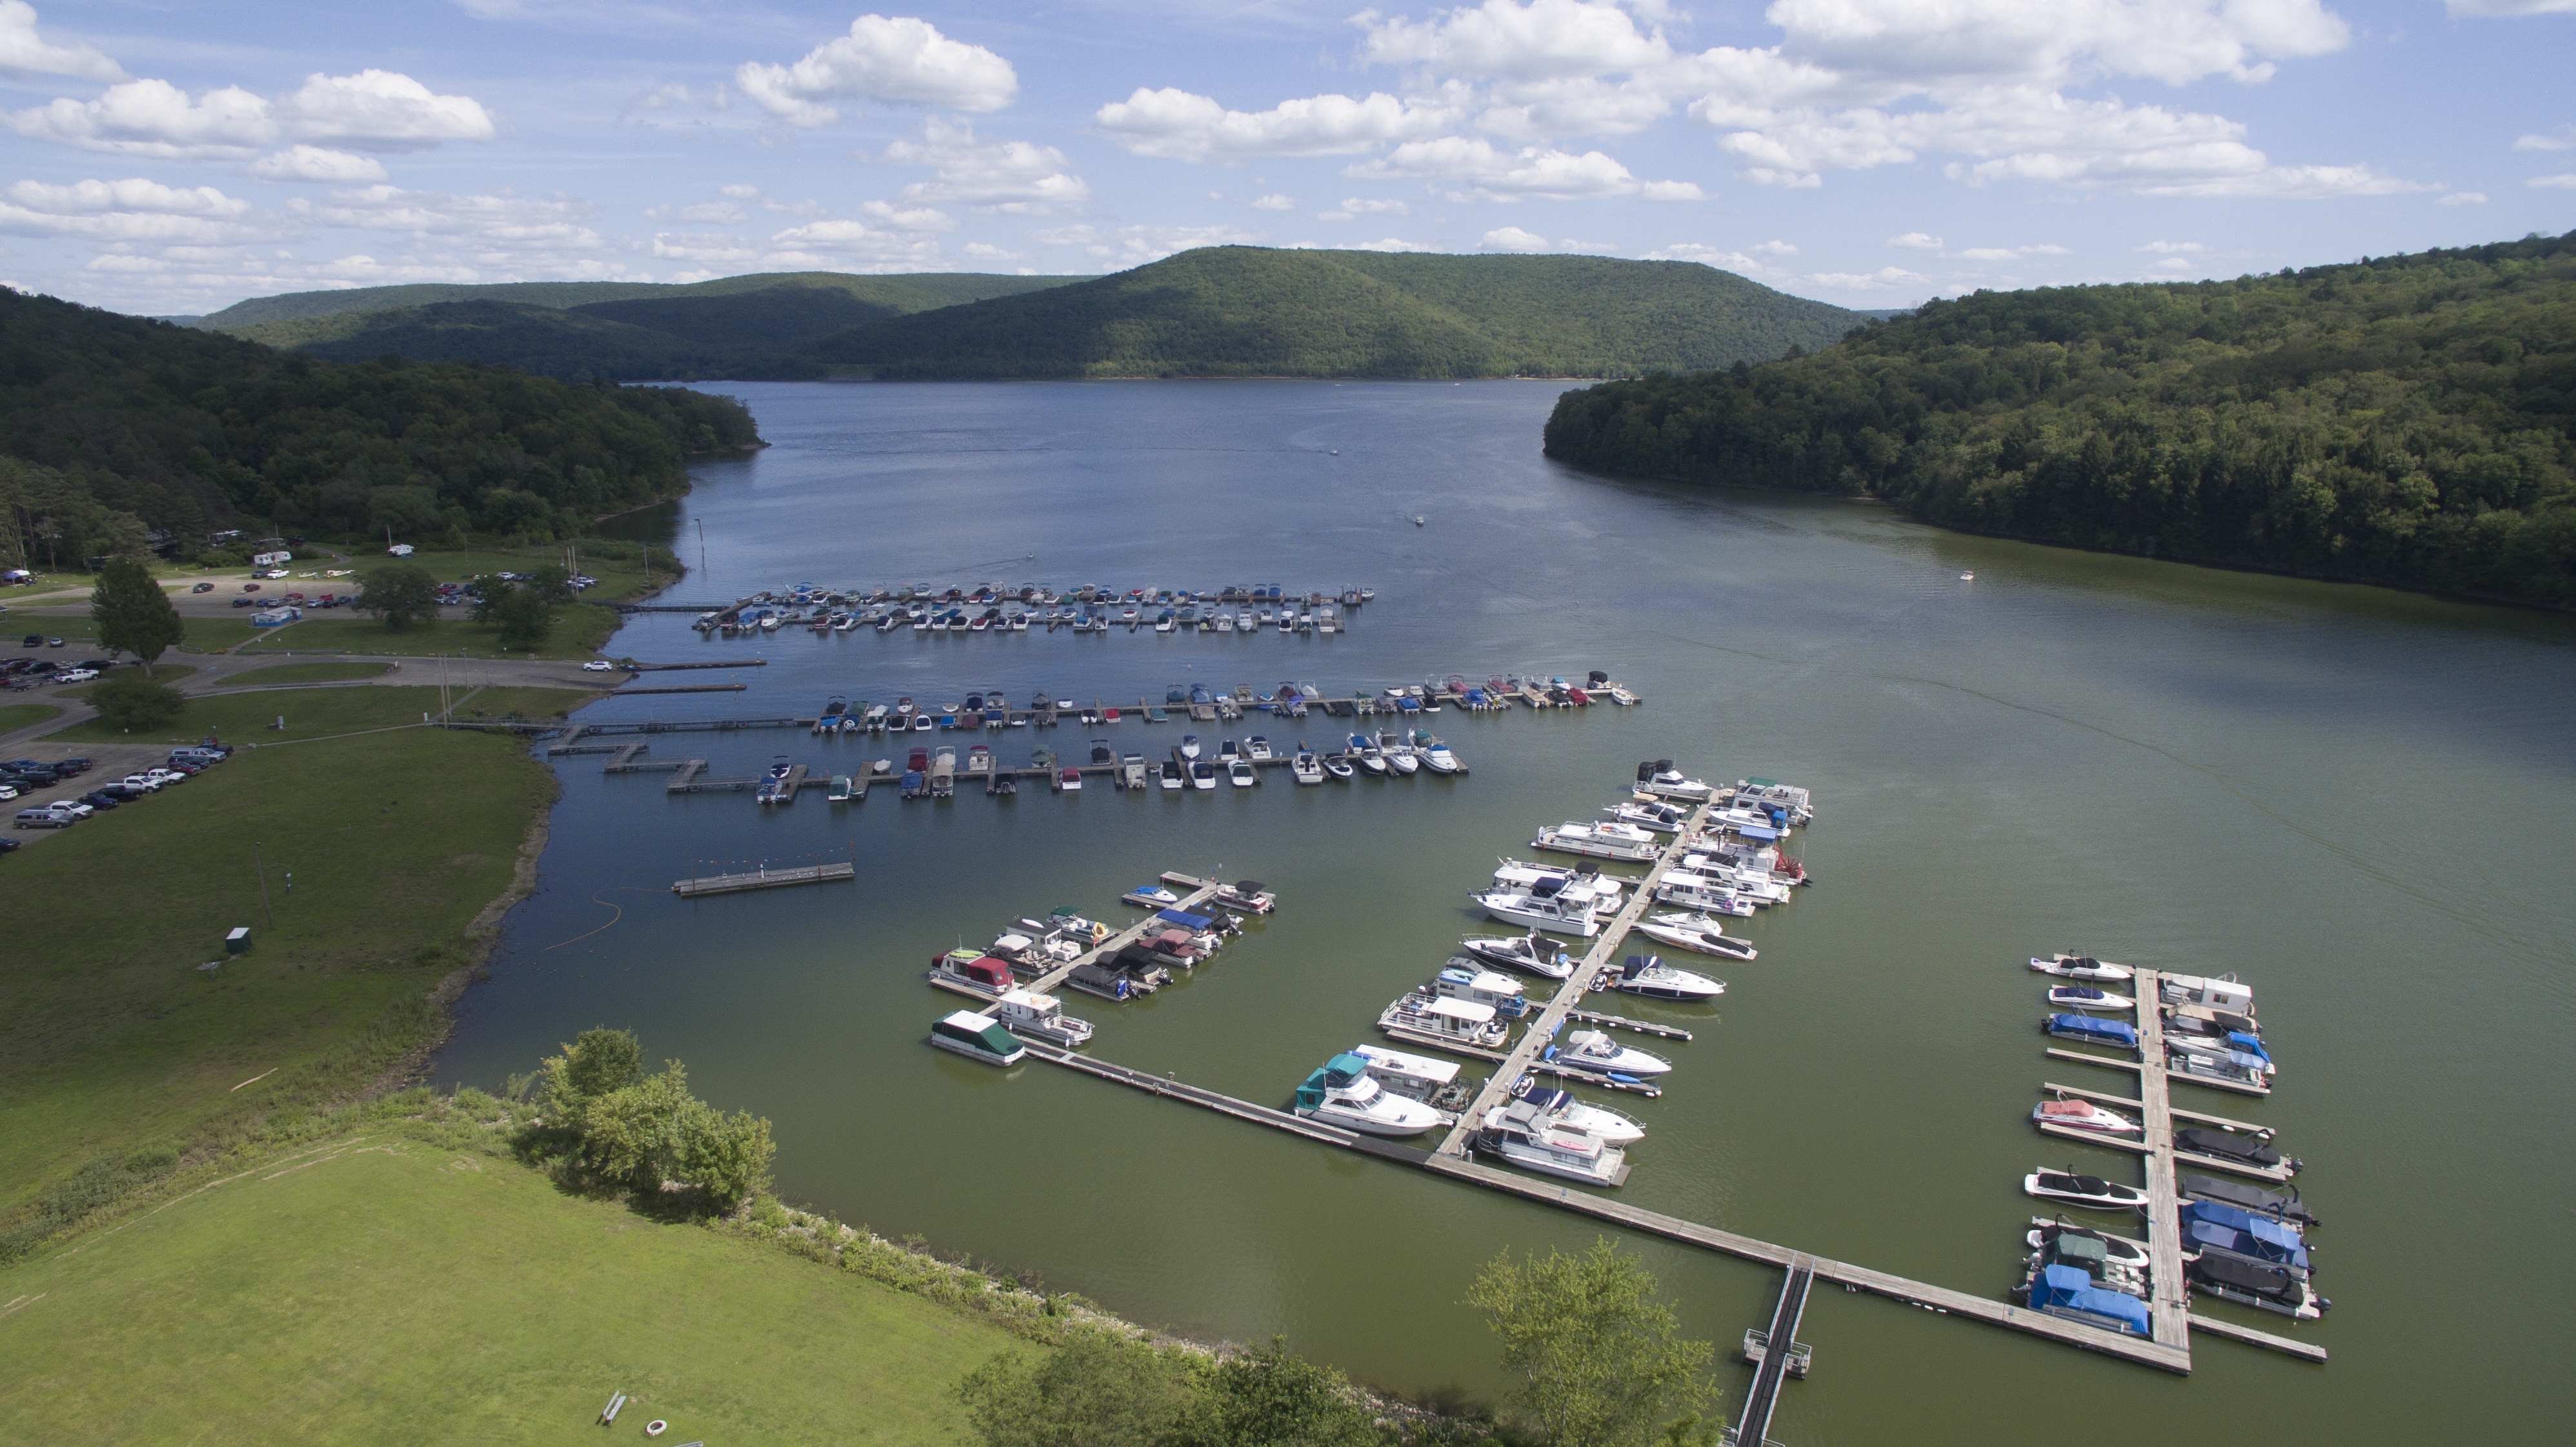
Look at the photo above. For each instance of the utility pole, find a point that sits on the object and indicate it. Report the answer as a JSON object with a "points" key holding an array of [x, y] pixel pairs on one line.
{"points": [[260, 865]]}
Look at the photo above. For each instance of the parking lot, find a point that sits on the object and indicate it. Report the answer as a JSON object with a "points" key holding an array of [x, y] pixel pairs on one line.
{"points": [[109, 763]]}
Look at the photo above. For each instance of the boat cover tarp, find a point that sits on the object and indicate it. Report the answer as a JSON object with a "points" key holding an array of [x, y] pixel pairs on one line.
{"points": [[2085, 1027], [2073, 1289], [1756, 831], [2082, 1252], [1185, 918], [1344, 1068], [2200, 1141], [2262, 1278], [2250, 1198]]}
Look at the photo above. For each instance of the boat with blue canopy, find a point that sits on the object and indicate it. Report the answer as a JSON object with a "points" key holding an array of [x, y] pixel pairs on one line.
{"points": [[2087, 1030], [2068, 1292]]}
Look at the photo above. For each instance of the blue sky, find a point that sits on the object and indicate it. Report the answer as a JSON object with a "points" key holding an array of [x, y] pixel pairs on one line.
{"points": [[173, 158]]}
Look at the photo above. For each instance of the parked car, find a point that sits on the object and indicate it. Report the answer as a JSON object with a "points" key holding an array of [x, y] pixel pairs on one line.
{"points": [[43, 818], [6, 792], [273, 574], [250, 587], [53, 643], [245, 602], [7, 844], [203, 588], [76, 675], [34, 640], [121, 793], [165, 776], [144, 783], [599, 665], [99, 799], [65, 768]]}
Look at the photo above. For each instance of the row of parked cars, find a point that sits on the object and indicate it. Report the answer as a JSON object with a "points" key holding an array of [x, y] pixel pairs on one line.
{"points": [[19, 777]]}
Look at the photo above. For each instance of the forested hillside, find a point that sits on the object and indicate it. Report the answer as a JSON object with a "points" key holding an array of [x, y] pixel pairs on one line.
{"points": [[2408, 420], [739, 326], [1236, 311], [111, 426]]}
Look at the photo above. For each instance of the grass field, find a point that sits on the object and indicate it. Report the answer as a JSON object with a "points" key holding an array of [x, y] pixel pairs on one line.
{"points": [[116, 1042], [278, 673], [15, 716], [214, 635], [246, 717], [402, 1286], [584, 628]]}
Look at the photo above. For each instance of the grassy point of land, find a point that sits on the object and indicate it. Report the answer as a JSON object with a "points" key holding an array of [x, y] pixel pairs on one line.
{"points": [[277, 673], [116, 1042], [15, 716], [584, 628], [409, 1283], [245, 718]]}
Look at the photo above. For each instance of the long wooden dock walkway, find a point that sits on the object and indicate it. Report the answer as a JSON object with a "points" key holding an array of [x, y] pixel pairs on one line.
{"points": [[1048, 982], [2169, 1307], [762, 878], [1605, 948]]}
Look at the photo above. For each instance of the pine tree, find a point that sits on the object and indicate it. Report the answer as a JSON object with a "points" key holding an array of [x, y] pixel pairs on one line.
{"points": [[132, 613]]}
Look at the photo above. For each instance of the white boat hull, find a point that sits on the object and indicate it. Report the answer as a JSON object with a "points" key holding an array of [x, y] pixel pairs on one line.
{"points": [[1699, 941]]}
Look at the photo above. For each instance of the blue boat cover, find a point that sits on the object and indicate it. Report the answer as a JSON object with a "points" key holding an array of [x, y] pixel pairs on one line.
{"points": [[2071, 1288], [1344, 1068], [1756, 831], [2085, 1027], [1184, 919], [2247, 1044]]}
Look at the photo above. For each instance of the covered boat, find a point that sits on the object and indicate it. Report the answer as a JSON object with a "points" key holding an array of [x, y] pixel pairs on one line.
{"points": [[2264, 1284], [2206, 1223], [2068, 1188], [2116, 1250], [2227, 1145], [2066, 1291], [2251, 1199], [1530, 952], [2082, 967], [1344, 1093], [2082, 1115], [2086, 1030], [977, 1038], [973, 971], [1151, 896], [1648, 975], [1595, 1053]]}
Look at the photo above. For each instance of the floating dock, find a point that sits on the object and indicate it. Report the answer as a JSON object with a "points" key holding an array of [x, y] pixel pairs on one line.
{"points": [[762, 878], [1776, 1354], [1201, 892]]}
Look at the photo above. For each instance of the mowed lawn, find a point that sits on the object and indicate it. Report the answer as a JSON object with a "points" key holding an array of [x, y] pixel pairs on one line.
{"points": [[584, 628], [385, 1290], [115, 1041]]}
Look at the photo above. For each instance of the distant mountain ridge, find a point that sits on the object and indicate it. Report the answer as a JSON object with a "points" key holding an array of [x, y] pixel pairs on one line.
{"points": [[1229, 311]]}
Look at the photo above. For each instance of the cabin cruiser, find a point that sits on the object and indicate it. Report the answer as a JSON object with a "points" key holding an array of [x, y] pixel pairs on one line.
{"points": [[1797, 804], [2070, 1189], [1337, 768], [1465, 980], [973, 971], [1523, 1136], [1550, 911], [971, 1035], [2082, 1115], [1305, 768], [2087, 1030], [1607, 840], [1025, 1012], [1530, 952], [1437, 1020], [1416, 1077], [2087, 997], [1655, 818], [1691, 892], [2253, 1200], [1599, 1122], [1399, 754], [1436, 756], [1697, 932], [1594, 1052], [1569, 885], [1171, 774], [1242, 775], [2083, 967], [1202, 774], [1189, 748], [1151, 896], [1346, 1094], [1649, 976], [1661, 779], [2228, 1145], [1756, 885], [1366, 754], [1256, 748]]}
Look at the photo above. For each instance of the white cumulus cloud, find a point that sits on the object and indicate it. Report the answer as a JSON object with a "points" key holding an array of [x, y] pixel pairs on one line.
{"points": [[2555, 183], [301, 162], [2463, 198], [1917, 241], [1512, 238], [2509, 9], [1188, 127], [134, 211], [1488, 173], [1273, 203], [1006, 176], [373, 110], [24, 52], [900, 61], [2561, 139]]}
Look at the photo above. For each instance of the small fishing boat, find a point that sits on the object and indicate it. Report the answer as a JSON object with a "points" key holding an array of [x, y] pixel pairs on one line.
{"points": [[1534, 910], [1648, 975], [1599, 1122], [1697, 932], [1595, 1053], [1530, 952], [1346, 1094], [977, 1038], [1025, 1012], [2087, 997], [1521, 1134], [2086, 1030], [1304, 767], [1337, 767], [2082, 967], [2082, 1115], [2068, 1188]]}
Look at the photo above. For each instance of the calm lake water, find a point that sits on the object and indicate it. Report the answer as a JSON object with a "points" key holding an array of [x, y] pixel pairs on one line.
{"points": [[2357, 800]]}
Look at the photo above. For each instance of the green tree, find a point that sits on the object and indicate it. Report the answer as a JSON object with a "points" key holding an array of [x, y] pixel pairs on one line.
{"points": [[1594, 1359], [1093, 1391], [132, 613], [400, 593], [132, 701], [552, 582], [596, 1062], [1266, 1398], [525, 618]]}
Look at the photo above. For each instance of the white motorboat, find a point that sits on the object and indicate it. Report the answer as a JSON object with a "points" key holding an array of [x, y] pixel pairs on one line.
{"points": [[1661, 779], [977, 1038], [1654, 818], [1435, 1020], [1305, 768], [1523, 1136], [1569, 884], [1347, 1094], [1337, 768], [1361, 751], [1754, 884], [1247, 896], [1399, 754], [1241, 774], [1699, 933], [2075, 1114], [1595, 1052], [1464, 979], [1256, 748], [1151, 896], [2067, 1188], [1438, 759], [1599, 1122], [1529, 952], [1693, 893], [1648, 975], [2087, 997], [2082, 967], [1202, 774], [1171, 775], [1606, 840], [1552, 912], [1025, 1012], [1189, 748]]}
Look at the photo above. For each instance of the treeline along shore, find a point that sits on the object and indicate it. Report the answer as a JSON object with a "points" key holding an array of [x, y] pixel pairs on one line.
{"points": [[2403, 420]]}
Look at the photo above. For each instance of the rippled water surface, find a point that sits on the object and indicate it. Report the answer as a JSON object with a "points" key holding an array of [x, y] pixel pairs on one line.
{"points": [[2357, 800]]}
